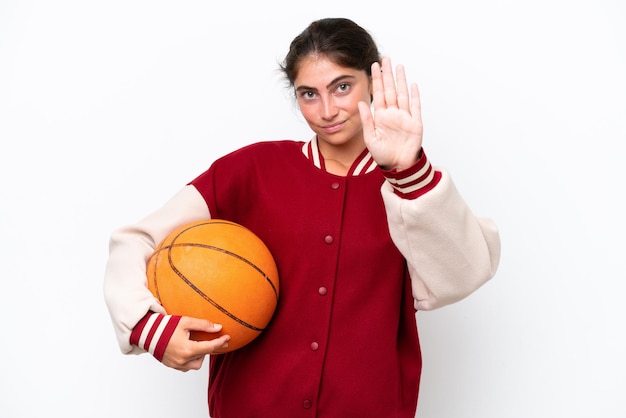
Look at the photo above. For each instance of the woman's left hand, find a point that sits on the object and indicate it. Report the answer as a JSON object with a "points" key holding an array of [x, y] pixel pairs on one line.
{"points": [[393, 133]]}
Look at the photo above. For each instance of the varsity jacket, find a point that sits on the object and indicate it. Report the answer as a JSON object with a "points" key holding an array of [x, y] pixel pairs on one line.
{"points": [[357, 256]]}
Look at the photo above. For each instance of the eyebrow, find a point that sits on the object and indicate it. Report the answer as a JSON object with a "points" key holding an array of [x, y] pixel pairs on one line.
{"points": [[332, 83]]}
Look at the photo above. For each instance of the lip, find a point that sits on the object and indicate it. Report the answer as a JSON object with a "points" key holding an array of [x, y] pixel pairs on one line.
{"points": [[335, 127]]}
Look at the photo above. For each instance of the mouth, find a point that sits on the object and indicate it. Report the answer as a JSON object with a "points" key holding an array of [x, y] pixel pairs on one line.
{"points": [[331, 129]]}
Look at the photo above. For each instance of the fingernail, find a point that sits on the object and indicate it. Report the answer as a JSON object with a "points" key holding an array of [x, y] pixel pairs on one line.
{"points": [[218, 326], [225, 345]]}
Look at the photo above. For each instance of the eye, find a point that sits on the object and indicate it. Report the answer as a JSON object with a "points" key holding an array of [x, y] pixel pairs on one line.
{"points": [[343, 88], [308, 95]]}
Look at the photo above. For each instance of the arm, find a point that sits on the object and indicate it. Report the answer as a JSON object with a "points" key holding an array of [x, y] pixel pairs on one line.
{"points": [[136, 314], [450, 252]]}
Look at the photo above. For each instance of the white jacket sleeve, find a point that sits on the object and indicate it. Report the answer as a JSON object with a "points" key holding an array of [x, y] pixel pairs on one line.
{"points": [[449, 251], [126, 290]]}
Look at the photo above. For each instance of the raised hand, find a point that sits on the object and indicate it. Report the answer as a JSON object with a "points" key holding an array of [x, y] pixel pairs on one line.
{"points": [[393, 132]]}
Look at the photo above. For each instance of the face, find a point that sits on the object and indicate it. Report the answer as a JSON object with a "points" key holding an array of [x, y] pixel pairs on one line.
{"points": [[327, 95]]}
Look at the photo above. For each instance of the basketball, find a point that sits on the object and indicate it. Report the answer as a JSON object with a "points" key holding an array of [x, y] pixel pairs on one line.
{"points": [[219, 271]]}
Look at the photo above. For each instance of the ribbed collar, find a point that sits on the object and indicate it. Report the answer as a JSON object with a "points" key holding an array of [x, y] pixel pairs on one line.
{"points": [[363, 164]]}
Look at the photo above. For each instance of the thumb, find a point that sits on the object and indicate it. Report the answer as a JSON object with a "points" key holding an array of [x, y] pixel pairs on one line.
{"points": [[367, 121], [197, 324]]}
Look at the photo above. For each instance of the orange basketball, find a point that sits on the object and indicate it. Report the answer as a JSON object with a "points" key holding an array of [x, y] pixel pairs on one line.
{"points": [[220, 271]]}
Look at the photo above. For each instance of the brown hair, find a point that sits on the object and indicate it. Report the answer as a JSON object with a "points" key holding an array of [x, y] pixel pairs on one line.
{"points": [[339, 39]]}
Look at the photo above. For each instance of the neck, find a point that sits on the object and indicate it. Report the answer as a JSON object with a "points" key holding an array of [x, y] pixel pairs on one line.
{"points": [[339, 158]]}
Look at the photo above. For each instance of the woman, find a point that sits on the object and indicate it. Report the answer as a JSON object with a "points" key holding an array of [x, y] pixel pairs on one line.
{"points": [[364, 231]]}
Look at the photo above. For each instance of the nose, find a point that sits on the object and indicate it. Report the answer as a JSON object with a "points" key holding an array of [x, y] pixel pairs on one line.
{"points": [[329, 109]]}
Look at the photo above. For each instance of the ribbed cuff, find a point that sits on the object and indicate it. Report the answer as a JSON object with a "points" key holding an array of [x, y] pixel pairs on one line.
{"points": [[153, 333], [414, 181]]}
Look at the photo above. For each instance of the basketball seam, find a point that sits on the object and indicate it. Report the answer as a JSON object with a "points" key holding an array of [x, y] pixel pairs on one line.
{"points": [[204, 295]]}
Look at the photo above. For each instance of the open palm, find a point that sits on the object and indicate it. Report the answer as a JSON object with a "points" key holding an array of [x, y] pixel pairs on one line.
{"points": [[393, 132]]}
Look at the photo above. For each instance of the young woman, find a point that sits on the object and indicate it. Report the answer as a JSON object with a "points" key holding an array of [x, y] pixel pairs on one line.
{"points": [[364, 230]]}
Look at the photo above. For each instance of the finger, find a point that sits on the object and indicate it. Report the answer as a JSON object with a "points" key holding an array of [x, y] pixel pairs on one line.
{"points": [[402, 88], [389, 84], [204, 347], [194, 364], [199, 350], [378, 92], [196, 324], [416, 104], [367, 121]]}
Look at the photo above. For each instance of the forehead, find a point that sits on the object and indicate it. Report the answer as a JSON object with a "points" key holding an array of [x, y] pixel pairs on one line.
{"points": [[318, 71]]}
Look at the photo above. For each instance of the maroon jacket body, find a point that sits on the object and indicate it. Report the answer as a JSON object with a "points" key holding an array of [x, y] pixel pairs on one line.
{"points": [[343, 341]]}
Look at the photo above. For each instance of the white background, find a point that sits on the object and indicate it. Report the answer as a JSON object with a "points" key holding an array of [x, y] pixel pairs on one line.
{"points": [[108, 108]]}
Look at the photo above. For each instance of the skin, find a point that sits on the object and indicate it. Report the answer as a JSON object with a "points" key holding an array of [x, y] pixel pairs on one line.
{"points": [[183, 353], [328, 96], [393, 134], [335, 102]]}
